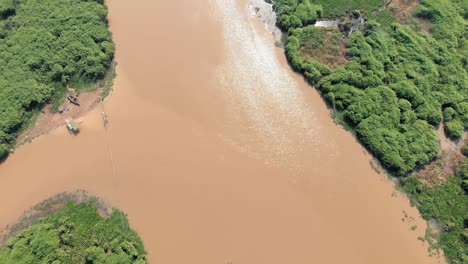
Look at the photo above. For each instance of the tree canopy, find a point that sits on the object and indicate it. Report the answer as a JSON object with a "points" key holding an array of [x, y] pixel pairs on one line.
{"points": [[399, 81], [447, 204], [75, 234], [400, 78], [45, 45]]}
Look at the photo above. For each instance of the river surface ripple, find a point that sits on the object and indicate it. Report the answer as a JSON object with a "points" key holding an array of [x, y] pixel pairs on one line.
{"points": [[222, 154]]}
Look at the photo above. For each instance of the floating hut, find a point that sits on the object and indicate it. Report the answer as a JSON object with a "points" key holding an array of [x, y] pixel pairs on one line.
{"points": [[72, 126]]}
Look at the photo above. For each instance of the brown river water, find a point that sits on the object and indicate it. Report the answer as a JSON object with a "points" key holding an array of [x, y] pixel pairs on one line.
{"points": [[221, 153]]}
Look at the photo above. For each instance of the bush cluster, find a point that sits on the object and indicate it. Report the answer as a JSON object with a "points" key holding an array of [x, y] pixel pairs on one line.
{"points": [[448, 205], [398, 84], [297, 13], [75, 234]]}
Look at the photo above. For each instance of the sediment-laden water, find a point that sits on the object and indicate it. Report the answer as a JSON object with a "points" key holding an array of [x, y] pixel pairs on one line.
{"points": [[221, 154]]}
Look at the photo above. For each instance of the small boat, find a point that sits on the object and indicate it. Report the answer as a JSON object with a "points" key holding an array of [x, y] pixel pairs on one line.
{"points": [[73, 100], [72, 126]]}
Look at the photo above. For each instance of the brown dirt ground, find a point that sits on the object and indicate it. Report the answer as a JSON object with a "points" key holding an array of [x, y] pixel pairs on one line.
{"points": [[47, 121], [444, 165], [404, 8], [326, 52]]}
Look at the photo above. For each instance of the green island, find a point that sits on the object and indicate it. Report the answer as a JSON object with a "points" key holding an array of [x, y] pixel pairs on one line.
{"points": [[74, 233], [392, 72], [45, 46]]}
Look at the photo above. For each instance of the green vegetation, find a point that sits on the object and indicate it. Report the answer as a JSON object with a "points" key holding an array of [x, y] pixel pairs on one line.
{"points": [[336, 8], [45, 45], [448, 206], [399, 81], [298, 13], [295, 14], [75, 234], [322, 45], [399, 77], [464, 149]]}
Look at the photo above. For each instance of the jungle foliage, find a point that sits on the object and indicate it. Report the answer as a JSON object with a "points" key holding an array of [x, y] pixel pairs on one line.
{"points": [[448, 205], [45, 45], [75, 234], [399, 81]]}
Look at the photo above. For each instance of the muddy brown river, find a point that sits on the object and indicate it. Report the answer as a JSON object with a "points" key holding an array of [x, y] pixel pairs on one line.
{"points": [[222, 154]]}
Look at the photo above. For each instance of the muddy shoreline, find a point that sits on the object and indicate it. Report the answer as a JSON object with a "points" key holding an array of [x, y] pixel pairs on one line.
{"points": [[223, 154], [49, 206], [47, 120]]}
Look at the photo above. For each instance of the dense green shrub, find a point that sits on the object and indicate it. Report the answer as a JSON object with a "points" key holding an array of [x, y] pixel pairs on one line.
{"points": [[464, 148], [454, 128], [391, 62], [449, 114], [448, 205], [307, 13], [462, 172], [334, 8], [3, 151], [296, 13], [398, 84], [45, 45], [76, 234], [425, 12]]}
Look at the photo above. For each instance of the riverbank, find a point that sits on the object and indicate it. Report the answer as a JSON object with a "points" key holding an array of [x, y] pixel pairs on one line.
{"points": [[43, 53], [51, 206], [71, 227], [54, 114], [394, 120], [218, 152]]}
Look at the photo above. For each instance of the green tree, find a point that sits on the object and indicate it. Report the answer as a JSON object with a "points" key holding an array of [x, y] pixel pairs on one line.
{"points": [[75, 234], [45, 45]]}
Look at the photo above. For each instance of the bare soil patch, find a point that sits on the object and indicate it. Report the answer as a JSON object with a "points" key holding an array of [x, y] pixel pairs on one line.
{"points": [[47, 120], [403, 9], [436, 172], [331, 52], [89, 97]]}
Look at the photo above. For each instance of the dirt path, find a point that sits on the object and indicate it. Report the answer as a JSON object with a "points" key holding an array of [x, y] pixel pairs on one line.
{"points": [[444, 165]]}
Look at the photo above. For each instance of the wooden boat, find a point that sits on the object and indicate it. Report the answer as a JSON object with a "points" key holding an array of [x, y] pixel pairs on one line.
{"points": [[73, 100]]}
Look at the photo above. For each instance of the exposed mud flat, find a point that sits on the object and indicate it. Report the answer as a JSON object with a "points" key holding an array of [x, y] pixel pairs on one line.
{"points": [[221, 154]]}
